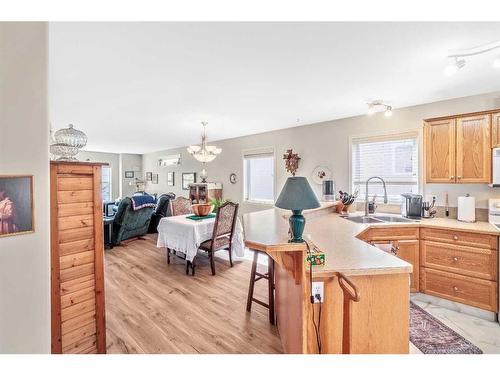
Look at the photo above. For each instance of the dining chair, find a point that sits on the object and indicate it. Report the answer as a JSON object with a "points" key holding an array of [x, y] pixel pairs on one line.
{"points": [[222, 236], [180, 206]]}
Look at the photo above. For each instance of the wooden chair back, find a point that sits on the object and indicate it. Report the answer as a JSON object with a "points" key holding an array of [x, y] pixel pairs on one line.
{"points": [[225, 220], [180, 206]]}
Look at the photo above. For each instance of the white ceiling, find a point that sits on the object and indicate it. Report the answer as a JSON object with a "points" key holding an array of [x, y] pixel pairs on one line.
{"points": [[143, 87]]}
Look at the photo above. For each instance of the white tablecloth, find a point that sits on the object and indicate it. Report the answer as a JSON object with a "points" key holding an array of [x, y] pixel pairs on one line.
{"points": [[184, 235]]}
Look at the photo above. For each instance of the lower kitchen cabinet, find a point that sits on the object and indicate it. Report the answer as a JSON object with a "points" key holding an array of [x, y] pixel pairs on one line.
{"points": [[460, 266], [408, 250], [464, 289]]}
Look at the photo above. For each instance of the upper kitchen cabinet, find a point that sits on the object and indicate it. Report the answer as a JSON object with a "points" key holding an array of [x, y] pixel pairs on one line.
{"points": [[473, 149], [458, 148], [439, 140], [495, 129]]}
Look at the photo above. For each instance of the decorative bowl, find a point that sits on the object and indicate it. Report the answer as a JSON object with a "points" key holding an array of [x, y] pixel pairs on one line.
{"points": [[202, 209]]}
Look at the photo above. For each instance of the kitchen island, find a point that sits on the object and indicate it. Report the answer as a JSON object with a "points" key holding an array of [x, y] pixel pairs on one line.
{"points": [[451, 260], [377, 323]]}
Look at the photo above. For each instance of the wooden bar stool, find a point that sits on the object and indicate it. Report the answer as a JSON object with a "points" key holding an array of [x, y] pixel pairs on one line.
{"points": [[256, 276]]}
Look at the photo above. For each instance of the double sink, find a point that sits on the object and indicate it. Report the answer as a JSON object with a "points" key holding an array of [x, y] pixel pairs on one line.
{"points": [[378, 219]]}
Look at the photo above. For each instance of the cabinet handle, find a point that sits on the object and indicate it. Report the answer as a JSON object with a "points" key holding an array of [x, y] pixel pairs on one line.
{"points": [[455, 259], [452, 177], [455, 238], [459, 177], [455, 288], [394, 248]]}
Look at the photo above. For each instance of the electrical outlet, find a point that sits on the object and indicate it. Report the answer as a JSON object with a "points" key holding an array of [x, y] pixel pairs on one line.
{"points": [[318, 288]]}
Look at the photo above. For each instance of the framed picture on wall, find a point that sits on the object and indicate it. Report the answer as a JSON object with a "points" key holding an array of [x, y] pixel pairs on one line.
{"points": [[16, 205], [188, 178], [170, 178], [129, 174], [149, 176], [155, 178]]}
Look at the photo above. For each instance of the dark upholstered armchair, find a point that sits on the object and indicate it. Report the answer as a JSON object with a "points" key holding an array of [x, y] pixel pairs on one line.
{"points": [[129, 223], [162, 210]]}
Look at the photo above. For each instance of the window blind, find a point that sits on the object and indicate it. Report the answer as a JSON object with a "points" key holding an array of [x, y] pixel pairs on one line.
{"points": [[394, 158], [259, 177]]}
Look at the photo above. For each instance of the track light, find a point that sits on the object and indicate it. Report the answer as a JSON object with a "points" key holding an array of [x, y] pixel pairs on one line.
{"points": [[372, 107], [454, 67]]}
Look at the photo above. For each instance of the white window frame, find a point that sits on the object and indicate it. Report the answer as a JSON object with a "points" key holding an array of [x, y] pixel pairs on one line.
{"points": [[110, 183], [258, 151], [380, 135]]}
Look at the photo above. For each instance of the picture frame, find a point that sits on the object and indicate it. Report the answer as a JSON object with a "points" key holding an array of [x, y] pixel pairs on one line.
{"points": [[154, 178], [188, 178], [129, 174], [170, 178], [149, 176], [16, 205]]}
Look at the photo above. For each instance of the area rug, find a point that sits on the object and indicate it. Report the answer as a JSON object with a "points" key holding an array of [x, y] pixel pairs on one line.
{"points": [[431, 336]]}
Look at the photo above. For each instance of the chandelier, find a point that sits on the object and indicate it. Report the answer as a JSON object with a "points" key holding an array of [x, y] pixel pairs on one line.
{"points": [[204, 153]]}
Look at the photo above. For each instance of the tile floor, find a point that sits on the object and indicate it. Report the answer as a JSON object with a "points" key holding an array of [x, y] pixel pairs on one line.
{"points": [[482, 333]]}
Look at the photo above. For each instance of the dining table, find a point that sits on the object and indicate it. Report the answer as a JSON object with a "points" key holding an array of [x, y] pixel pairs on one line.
{"points": [[185, 235]]}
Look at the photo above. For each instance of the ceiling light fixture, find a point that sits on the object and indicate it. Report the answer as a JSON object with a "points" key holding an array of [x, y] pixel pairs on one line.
{"points": [[454, 67], [373, 105], [458, 56], [204, 153]]}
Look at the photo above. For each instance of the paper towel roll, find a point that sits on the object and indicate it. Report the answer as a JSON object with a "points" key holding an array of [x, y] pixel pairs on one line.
{"points": [[467, 209]]}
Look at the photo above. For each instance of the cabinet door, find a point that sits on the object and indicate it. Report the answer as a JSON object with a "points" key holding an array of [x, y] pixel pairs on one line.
{"points": [[439, 143], [473, 149], [495, 130], [409, 252]]}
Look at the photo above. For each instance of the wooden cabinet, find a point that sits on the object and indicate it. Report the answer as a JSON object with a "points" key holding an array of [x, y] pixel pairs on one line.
{"points": [[468, 290], [473, 149], [495, 130], [77, 264], [202, 192], [457, 265], [458, 150], [408, 250], [403, 243], [439, 143]]}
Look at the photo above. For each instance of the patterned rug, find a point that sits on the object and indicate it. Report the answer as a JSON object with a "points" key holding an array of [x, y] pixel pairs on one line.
{"points": [[431, 336]]}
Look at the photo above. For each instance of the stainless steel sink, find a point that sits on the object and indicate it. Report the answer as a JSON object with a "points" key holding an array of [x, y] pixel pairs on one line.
{"points": [[393, 219], [362, 219], [377, 219]]}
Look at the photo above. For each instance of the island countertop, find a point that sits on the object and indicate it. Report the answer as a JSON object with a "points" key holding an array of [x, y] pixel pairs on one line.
{"points": [[337, 237]]}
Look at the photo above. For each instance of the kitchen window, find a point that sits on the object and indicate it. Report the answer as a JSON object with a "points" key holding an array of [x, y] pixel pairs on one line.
{"points": [[394, 158], [106, 184], [259, 177]]}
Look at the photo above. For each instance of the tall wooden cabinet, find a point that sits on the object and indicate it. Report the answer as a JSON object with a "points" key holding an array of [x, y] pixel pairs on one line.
{"points": [[495, 129], [77, 264], [458, 150]]}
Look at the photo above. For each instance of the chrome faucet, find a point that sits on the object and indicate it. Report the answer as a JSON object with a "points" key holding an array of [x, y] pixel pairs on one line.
{"points": [[366, 192]]}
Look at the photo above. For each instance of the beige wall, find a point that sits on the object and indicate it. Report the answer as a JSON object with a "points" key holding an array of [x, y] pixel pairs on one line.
{"points": [[129, 162], [114, 162], [327, 144], [24, 133]]}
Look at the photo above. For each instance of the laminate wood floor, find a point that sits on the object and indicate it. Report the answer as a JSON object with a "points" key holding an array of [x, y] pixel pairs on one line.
{"points": [[153, 307]]}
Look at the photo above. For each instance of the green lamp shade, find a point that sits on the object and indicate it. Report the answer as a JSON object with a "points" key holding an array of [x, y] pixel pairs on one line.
{"points": [[297, 195]]}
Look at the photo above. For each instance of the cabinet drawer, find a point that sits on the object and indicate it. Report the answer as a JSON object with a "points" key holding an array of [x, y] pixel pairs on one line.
{"points": [[464, 289], [469, 261], [460, 238], [391, 234]]}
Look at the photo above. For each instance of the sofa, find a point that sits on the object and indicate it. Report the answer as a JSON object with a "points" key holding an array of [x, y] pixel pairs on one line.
{"points": [[128, 223], [162, 210]]}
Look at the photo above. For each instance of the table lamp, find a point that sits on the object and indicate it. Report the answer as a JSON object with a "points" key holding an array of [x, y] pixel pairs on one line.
{"points": [[297, 195]]}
